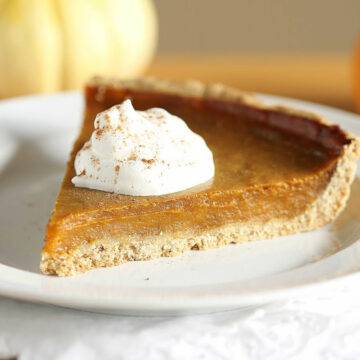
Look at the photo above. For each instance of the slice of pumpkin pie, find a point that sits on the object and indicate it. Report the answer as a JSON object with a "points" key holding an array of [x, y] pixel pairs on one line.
{"points": [[277, 171]]}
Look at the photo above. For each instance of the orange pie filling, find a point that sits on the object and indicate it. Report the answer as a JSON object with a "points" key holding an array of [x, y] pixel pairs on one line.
{"points": [[267, 167]]}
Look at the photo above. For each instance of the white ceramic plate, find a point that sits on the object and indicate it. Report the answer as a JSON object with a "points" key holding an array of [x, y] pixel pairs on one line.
{"points": [[36, 134]]}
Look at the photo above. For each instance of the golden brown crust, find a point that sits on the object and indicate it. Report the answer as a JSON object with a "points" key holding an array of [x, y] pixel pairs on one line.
{"points": [[212, 91], [193, 88], [324, 210]]}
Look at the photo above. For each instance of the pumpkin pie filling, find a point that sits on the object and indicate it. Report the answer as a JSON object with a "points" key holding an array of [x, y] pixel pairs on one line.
{"points": [[269, 164], [245, 154]]}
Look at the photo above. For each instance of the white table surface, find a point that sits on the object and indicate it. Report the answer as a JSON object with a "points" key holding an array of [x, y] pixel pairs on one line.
{"points": [[325, 326]]}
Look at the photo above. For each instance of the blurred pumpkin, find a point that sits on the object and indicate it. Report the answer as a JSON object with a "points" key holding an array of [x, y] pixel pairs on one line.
{"points": [[51, 45], [357, 76]]}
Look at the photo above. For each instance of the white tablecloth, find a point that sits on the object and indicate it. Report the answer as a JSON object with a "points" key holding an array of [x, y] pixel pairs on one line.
{"points": [[325, 326]]}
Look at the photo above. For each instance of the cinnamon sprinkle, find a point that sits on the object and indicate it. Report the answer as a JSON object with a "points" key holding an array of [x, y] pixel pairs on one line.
{"points": [[148, 161], [99, 132]]}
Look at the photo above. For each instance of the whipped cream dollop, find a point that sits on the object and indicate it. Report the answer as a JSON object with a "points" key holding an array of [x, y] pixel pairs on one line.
{"points": [[142, 153]]}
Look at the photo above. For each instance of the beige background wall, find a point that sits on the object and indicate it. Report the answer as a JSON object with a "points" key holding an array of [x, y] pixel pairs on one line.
{"points": [[258, 25]]}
